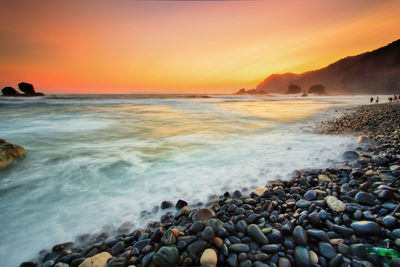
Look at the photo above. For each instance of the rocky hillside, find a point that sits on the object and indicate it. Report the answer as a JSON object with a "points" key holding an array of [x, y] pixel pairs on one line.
{"points": [[375, 72]]}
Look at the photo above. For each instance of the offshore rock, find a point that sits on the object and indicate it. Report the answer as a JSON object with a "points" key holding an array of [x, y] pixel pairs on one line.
{"points": [[9, 153]]}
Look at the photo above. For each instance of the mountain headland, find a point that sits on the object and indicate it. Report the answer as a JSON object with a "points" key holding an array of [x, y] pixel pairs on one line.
{"points": [[374, 72]]}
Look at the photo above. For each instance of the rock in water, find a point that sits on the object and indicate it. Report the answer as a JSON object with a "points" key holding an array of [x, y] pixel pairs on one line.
{"points": [[208, 258], [350, 155], [98, 260], [9, 153], [27, 88], [9, 91], [255, 232], [166, 256], [335, 204]]}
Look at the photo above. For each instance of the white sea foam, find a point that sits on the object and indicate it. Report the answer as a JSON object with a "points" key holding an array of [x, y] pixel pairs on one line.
{"points": [[89, 165]]}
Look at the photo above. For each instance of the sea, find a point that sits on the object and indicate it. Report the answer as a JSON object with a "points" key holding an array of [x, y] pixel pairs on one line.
{"points": [[96, 161]]}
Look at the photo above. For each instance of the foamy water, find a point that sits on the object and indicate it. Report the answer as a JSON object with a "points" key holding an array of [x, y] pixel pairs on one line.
{"points": [[99, 160]]}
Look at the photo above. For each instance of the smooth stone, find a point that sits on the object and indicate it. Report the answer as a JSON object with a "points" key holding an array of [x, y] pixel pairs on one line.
{"points": [[239, 248], [302, 257], [314, 218], [218, 242], [284, 262], [270, 249], [141, 244], [117, 262], [350, 155], [207, 234], [344, 249], [274, 236], [197, 247], [246, 263], [262, 256], [197, 226], [318, 234], [310, 195], [343, 231], [359, 250], [257, 235], [313, 257], [232, 259], [203, 215], [180, 204], [365, 198], [166, 204], [259, 191], [389, 222], [166, 256], [260, 264], [336, 261], [209, 258], [335, 204], [326, 250], [378, 160], [303, 204], [98, 260], [366, 228], [147, 258], [300, 236], [241, 226], [324, 178], [117, 248]]}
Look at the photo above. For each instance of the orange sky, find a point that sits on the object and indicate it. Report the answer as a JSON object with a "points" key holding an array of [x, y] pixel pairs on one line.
{"points": [[128, 46]]}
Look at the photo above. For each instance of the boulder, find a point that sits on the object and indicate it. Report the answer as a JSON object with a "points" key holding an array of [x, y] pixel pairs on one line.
{"points": [[98, 260], [9, 153], [9, 91], [28, 89]]}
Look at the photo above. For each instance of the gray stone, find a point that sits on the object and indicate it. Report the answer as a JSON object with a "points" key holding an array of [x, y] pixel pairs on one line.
{"points": [[208, 233], [365, 198], [257, 235], [300, 236], [302, 257], [366, 228], [197, 247], [239, 248], [326, 250]]}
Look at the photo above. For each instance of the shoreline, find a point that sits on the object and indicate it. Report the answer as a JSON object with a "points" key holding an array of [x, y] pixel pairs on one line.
{"points": [[278, 225]]}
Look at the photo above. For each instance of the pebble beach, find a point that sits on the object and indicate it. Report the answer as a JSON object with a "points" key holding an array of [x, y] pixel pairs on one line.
{"points": [[347, 215]]}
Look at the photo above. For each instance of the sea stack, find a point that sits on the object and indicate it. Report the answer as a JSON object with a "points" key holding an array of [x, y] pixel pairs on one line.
{"points": [[26, 88]]}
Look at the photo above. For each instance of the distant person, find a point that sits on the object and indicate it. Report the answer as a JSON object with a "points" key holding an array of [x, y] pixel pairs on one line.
{"points": [[390, 99], [377, 100], [371, 100], [395, 98]]}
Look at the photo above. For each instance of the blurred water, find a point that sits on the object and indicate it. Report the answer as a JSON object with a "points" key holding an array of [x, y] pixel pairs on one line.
{"points": [[98, 160]]}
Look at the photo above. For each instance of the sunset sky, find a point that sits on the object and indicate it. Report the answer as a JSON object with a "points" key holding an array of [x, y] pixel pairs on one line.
{"points": [[128, 46]]}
